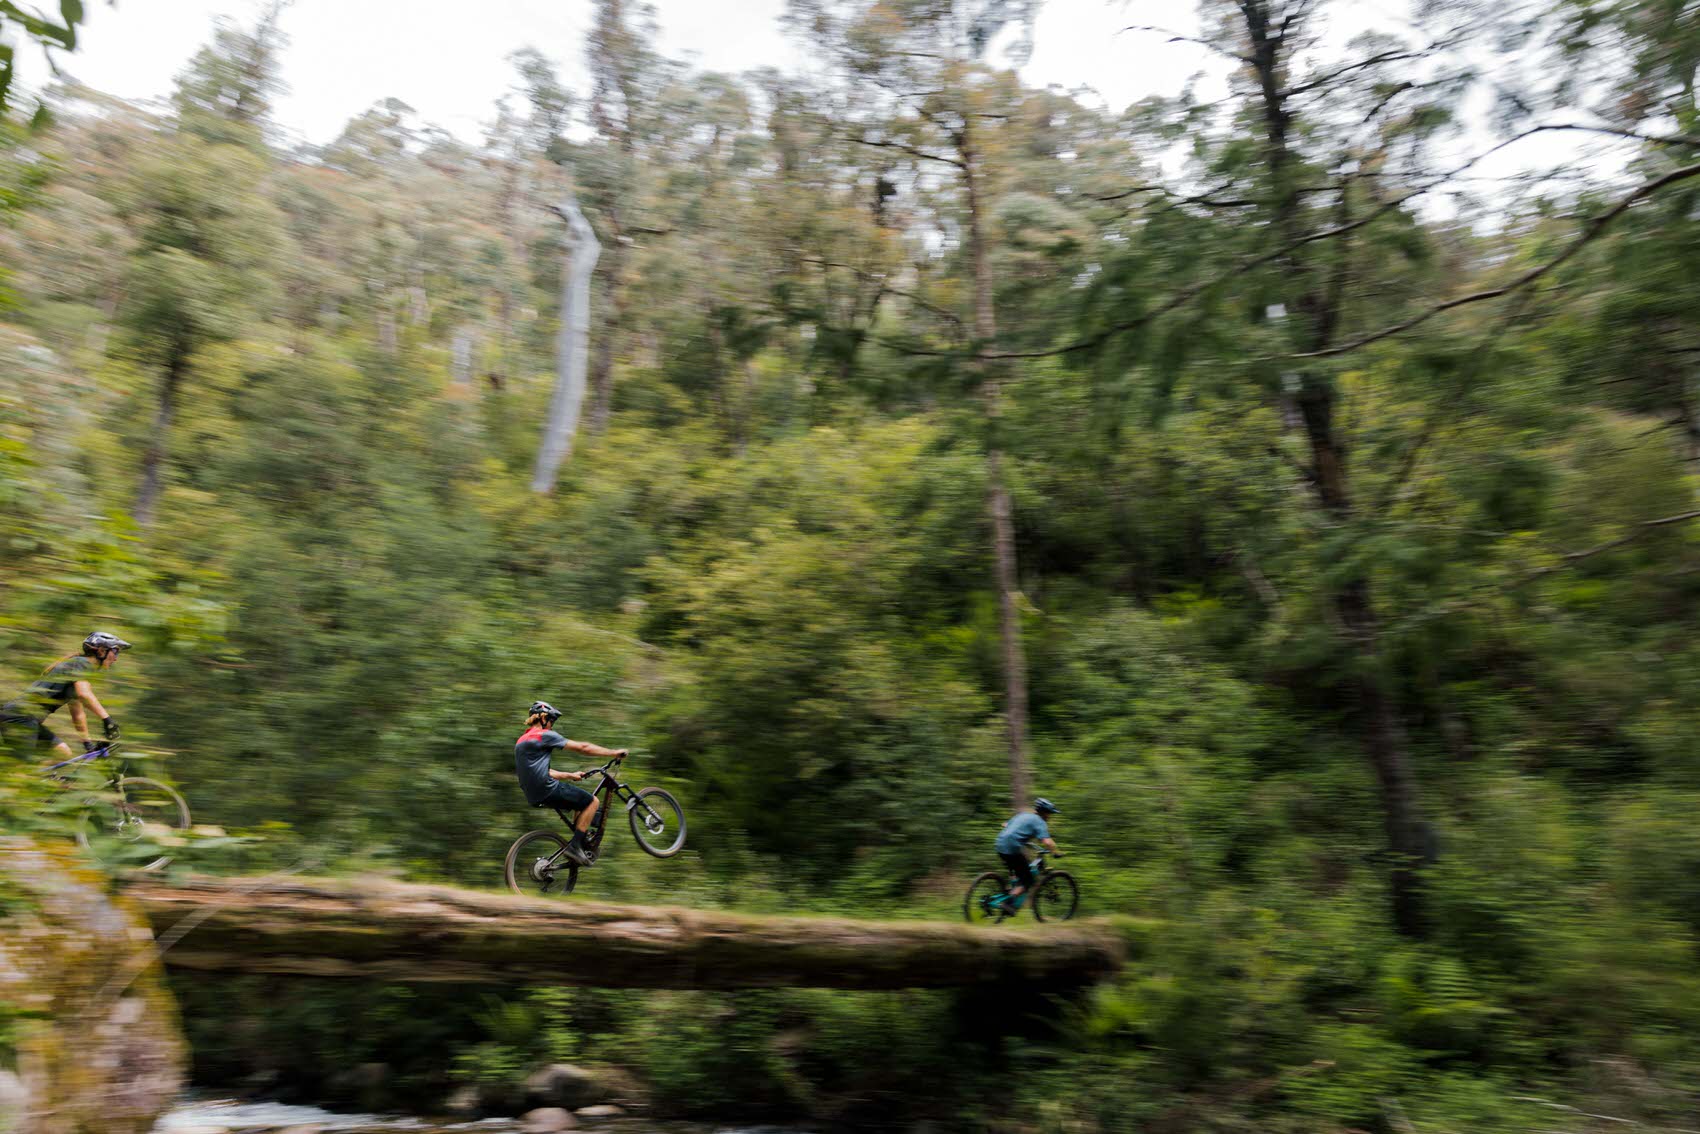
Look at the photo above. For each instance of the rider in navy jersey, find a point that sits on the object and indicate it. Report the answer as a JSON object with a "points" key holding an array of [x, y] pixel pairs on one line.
{"points": [[549, 787]]}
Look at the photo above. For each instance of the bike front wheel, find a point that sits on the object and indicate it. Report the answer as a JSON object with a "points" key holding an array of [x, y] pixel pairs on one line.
{"points": [[977, 908], [1057, 896], [658, 822], [537, 864], [116, 832]]}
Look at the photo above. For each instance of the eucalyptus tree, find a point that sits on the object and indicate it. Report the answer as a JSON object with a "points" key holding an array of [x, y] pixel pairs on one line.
{"points": [[626, 72], [917, 87], [226, 92], [1304, 194], [205, 235]]}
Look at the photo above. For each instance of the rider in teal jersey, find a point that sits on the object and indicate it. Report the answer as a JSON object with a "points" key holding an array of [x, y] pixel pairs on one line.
{"points": [[1022, 829]]}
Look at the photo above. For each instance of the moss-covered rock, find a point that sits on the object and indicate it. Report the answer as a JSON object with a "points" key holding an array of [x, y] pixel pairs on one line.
{"points": [[93, 1037]]}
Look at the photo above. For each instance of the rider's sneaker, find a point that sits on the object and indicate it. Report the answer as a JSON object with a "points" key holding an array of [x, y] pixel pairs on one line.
{"points": [[575, 851]]}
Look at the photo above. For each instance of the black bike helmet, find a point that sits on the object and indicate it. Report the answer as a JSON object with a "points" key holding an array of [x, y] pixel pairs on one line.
{"points": [[1044, 806], [546, 709], [101, 640]]}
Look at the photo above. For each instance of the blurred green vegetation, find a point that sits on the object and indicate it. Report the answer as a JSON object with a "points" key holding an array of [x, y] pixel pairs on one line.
{"points": [[769, 570]]}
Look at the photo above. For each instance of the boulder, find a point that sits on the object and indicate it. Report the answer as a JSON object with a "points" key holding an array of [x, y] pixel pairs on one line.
{"points": [[463, 1101], [546, 1120], [572, 1086], [563, 1085], [600, 1110], [98, 1047], [364, 1084]]}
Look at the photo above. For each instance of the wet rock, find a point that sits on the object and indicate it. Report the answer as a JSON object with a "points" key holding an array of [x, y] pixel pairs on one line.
{"points": [[546, 1120], [463, 1102], [600, 1110], [563, 1085], [621, 1087], [99, 1049], [14, 1099], [363, 1083]]}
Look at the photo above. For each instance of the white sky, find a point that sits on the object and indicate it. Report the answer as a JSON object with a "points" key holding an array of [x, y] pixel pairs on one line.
{"points": [[449, 60]]}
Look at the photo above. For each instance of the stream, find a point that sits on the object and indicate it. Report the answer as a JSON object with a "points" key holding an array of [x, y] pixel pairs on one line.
{"points": [[229, 1116]]}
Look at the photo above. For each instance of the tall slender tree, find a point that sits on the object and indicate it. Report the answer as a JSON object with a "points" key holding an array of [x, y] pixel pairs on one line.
{"points": [[928, 98]]}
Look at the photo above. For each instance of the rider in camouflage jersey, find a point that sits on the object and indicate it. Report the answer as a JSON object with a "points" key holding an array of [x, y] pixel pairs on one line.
{"points": [[23, 720]]}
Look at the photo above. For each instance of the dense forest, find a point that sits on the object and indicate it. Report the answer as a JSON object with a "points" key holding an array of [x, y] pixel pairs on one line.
{"points": [[1296, 485]]}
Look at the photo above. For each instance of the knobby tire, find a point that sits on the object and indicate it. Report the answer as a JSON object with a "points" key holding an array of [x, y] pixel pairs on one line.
{"points": [[516, 869], [986, 885], [660, 802], [1056, 897], [148, 801]]}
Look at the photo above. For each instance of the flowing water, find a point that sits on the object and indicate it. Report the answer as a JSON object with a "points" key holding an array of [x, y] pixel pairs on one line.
{"points": [[225, 1116]]}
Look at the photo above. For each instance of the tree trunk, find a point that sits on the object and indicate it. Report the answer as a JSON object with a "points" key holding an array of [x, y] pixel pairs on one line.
{"points": [[562, 424], [396, 931], [997, 491], [1408, 835], [153, 460], [602, 373], [1318, 307]]}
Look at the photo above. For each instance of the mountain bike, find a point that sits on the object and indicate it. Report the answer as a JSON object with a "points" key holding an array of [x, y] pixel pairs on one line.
{"points": [[115, 819], [538, 863], [1055, 896]]}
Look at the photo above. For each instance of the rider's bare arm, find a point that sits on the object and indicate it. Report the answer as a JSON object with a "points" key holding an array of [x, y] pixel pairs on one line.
{"points": [[79, 719], [85, 694], [557, 774], [1052, 843], [585, 748]]}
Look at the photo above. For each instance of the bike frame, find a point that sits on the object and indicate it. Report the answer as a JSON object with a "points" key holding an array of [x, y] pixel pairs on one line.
{"points": [[91, 754], [608, 790], [1038, 867], [114, 772]]}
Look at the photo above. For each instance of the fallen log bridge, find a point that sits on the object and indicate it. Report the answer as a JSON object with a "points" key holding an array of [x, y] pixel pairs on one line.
{"points": [[406, 933]]}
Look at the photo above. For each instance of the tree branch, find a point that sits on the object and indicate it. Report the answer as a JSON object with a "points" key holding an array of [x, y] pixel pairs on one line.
{"points": [[912, 151], [1187, 295], [1566, 560], [876, 278], [1393, 56], [1595, 227], [1204, 198], [1177, 37]]}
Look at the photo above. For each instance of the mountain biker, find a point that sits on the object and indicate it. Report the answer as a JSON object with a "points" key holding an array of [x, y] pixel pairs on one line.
{"points": [[1022, 829], [543, 785], [63, 683]]}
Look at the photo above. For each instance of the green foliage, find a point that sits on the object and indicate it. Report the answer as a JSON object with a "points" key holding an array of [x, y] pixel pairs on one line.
{"points": [[768, 573]]}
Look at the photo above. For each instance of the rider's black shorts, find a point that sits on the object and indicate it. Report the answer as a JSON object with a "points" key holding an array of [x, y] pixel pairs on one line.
{"points": [[567, 797], [21, 731], [1020, 867]]}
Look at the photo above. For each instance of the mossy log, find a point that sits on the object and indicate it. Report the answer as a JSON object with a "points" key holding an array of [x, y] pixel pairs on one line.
{"points": [[408, 933], [97, 1049]]}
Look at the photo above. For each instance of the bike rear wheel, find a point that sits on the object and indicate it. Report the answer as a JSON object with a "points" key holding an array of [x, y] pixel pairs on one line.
{"points": [[537, 864], [658, 823], [116, 832], [977, 908], [1057, 896]]}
